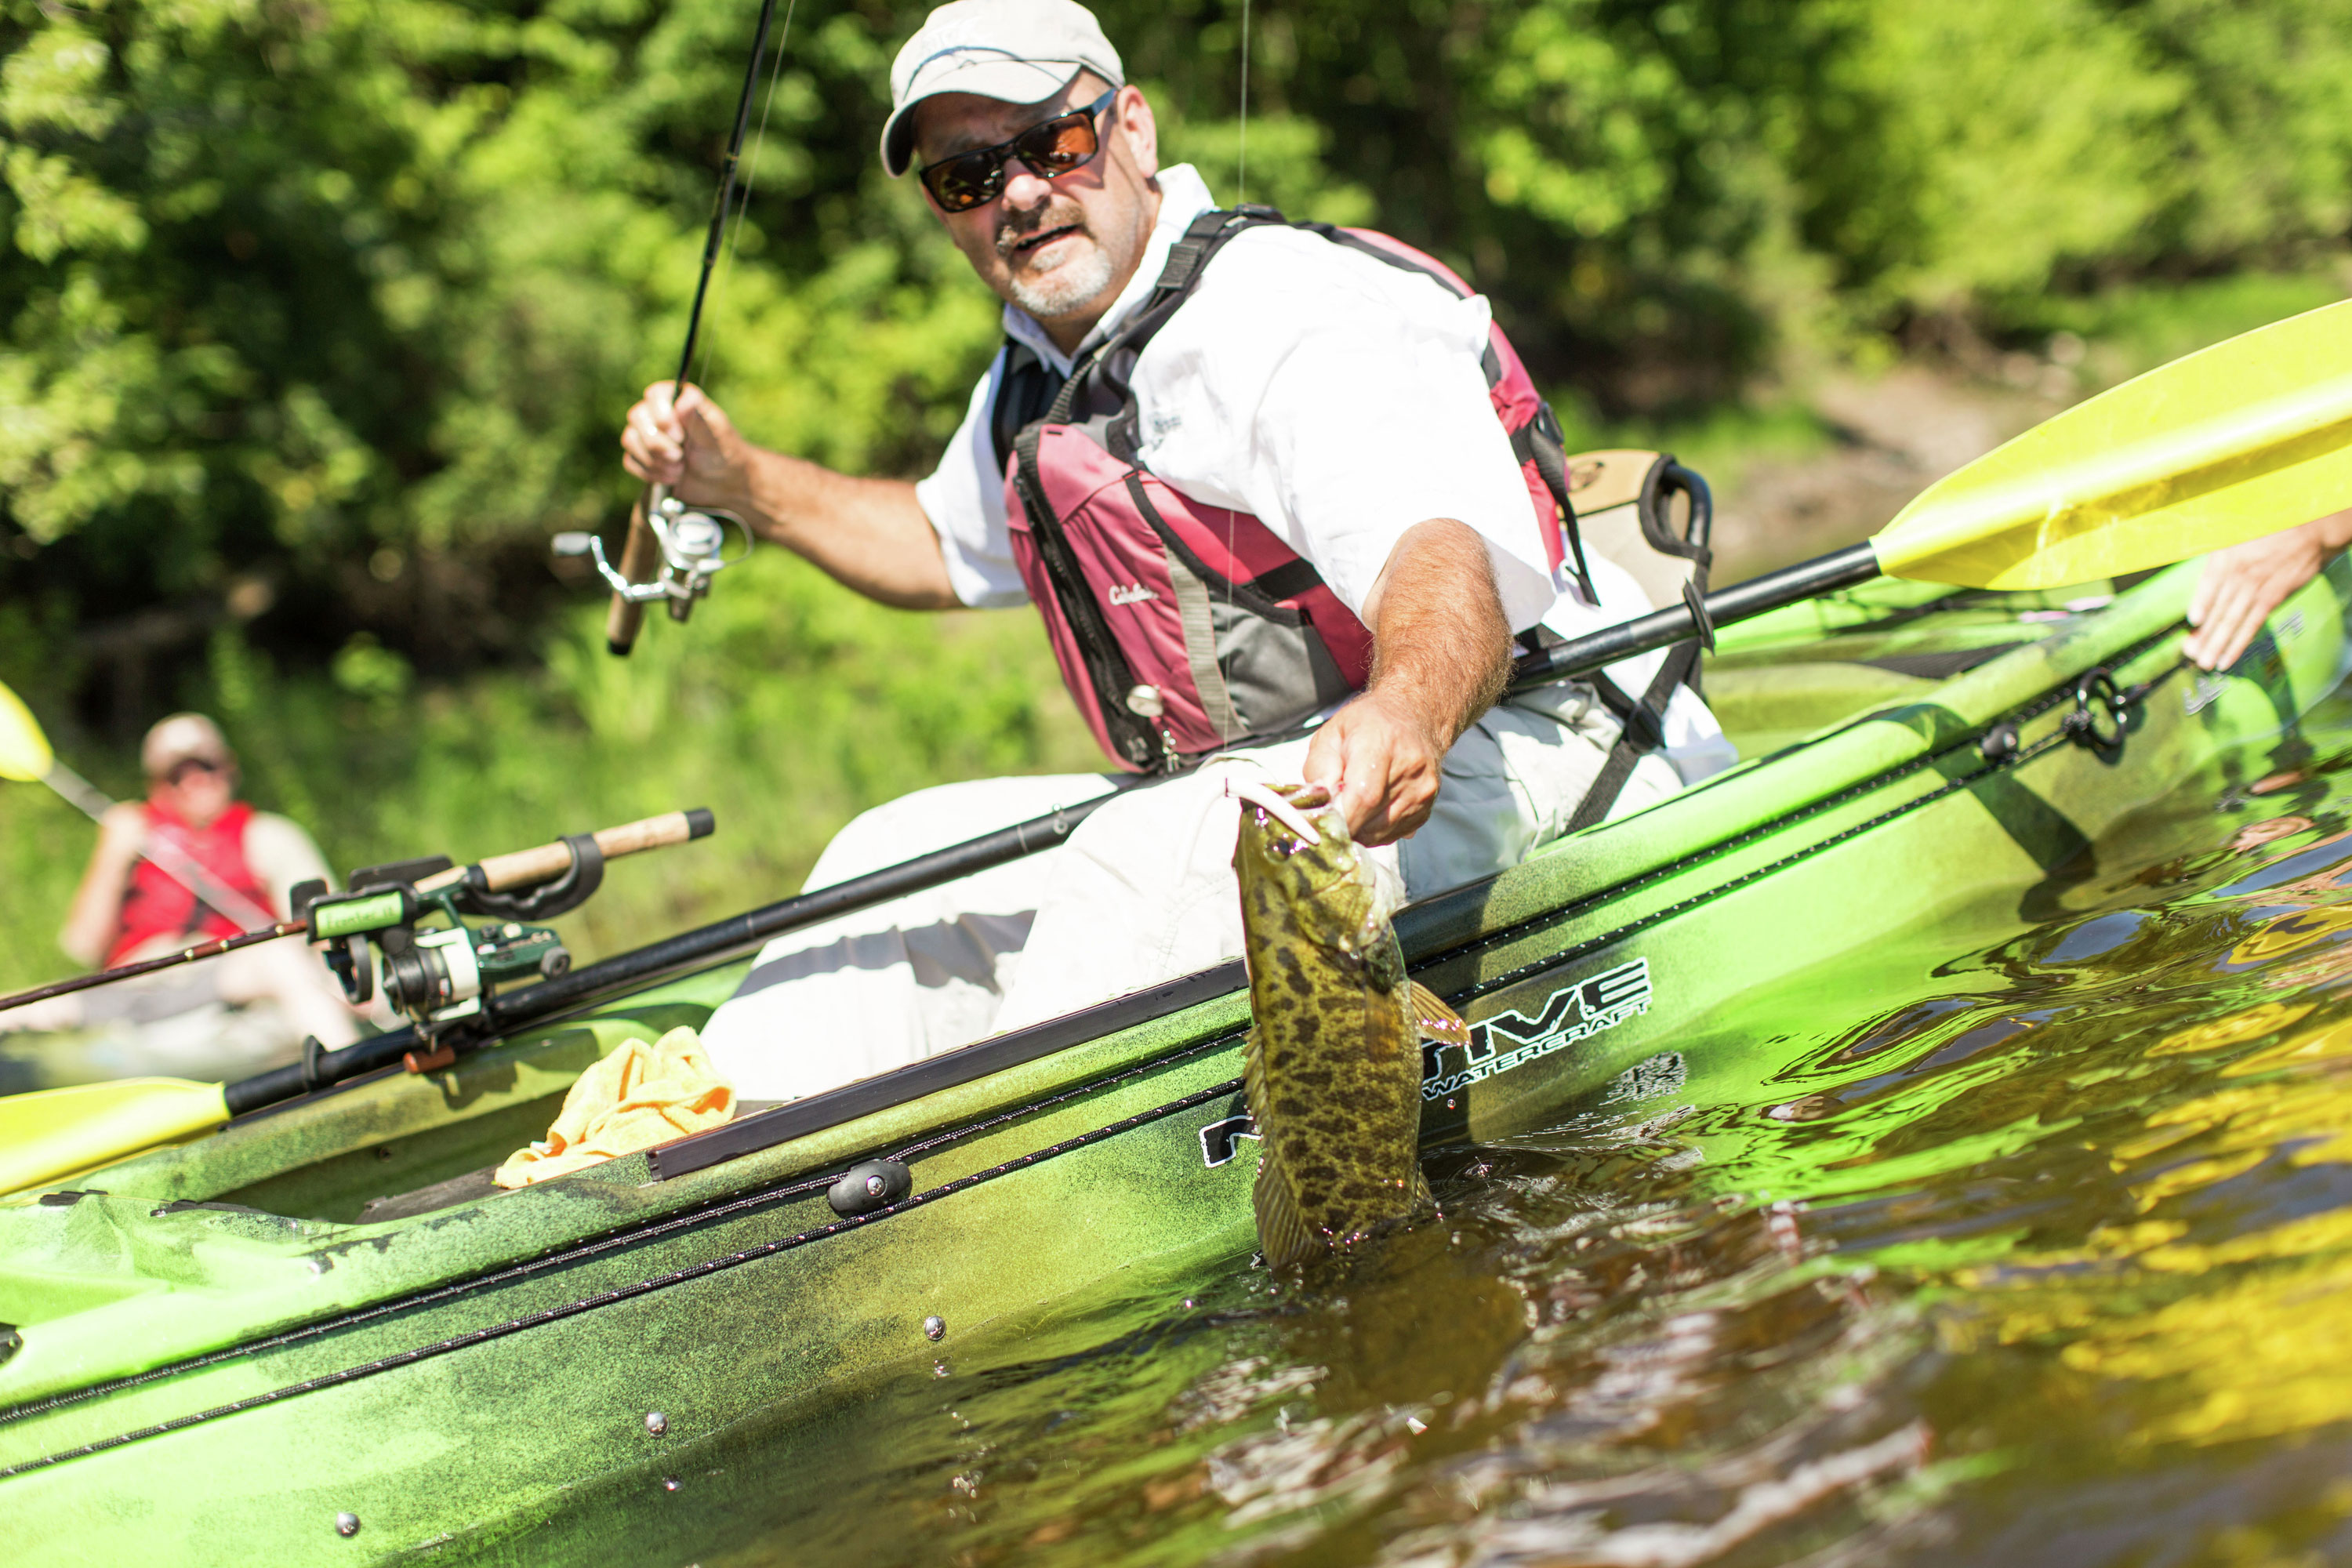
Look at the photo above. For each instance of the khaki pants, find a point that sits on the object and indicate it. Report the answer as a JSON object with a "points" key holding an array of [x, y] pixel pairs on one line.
{"points": [[1142, 892]]}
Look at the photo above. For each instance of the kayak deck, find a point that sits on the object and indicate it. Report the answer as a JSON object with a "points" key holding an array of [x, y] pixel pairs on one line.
{"points": [[341, 1277]]}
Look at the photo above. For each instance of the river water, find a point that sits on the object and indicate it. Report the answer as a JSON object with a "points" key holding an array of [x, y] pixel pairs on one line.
{"points": [[2032, 1245]]}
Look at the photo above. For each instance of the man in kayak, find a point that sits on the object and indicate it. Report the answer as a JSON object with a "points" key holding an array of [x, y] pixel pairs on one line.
{"points": [[130, 907], [1254, 475]]}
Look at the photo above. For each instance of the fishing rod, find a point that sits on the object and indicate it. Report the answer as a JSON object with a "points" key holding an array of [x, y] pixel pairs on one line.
{"points": [[433, 976], [673, 551]]}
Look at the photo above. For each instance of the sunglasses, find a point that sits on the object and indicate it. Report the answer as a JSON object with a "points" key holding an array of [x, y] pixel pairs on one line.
{"points": [[186, 765], [1049, 148]]}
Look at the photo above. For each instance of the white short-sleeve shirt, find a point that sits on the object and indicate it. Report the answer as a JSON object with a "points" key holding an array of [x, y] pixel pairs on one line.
{"points": [[1337, 399]]}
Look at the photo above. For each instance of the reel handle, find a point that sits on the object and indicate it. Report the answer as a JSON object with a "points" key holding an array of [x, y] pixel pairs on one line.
{"points": [[640, 562], [528, 868]]}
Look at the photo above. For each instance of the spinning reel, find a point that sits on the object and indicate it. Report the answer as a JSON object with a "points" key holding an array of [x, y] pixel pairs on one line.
{"points": [[404, 927], [673, 552]]}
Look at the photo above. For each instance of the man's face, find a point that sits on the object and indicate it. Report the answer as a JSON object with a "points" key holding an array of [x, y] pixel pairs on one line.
{"points": [[197, 791], [1061, 248]]}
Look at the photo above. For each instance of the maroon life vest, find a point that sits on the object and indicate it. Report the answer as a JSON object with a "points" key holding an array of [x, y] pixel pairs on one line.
{"points": [[155, 905], [1182, 628]]}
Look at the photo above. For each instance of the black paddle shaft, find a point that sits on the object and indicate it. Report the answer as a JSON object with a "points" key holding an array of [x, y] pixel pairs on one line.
{"points": [[1664, 628], [731, 938]]}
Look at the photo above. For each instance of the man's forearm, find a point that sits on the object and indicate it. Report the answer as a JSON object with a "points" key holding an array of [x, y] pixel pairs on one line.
{"points": [[1440, 645], [869, 534]]}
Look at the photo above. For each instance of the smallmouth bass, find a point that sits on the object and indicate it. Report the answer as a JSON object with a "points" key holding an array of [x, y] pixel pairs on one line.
{"points": [[1332, 1070]]}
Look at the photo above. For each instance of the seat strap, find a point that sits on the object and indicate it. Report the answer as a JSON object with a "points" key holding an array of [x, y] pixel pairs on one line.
{"points": [[1641, 729]]}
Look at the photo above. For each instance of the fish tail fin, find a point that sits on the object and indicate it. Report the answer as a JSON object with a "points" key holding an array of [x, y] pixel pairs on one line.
{"points": [[1423, 1200], [1434, 1018], [1281, 1235]]}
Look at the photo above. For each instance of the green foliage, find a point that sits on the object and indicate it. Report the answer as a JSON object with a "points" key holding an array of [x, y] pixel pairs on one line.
{"points": [[354, 295]]}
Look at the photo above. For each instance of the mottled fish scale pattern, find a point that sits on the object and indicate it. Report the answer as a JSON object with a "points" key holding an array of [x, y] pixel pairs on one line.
{"points": [[1332, 1071]]}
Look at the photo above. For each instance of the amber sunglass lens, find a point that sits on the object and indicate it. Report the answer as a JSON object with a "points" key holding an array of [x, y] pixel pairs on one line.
{"points": [[1059, 145], [964, 183]]}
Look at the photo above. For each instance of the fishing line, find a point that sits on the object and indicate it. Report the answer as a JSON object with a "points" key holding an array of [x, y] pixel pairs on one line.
{"points": [[1240, 197], [752, 176], [1241, 162], [725, 199]]}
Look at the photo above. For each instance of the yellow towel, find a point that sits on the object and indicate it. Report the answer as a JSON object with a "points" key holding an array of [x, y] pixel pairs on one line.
{"points": [[639, 1096]]}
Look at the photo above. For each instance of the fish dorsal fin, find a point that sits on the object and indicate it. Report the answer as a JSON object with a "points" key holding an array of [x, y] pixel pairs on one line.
{"points": [[1435, 1019], [1281, 1235]]}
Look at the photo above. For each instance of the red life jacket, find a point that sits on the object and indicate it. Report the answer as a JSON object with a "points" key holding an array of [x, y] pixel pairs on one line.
{"points": [[154, 905], [1182, 628]]}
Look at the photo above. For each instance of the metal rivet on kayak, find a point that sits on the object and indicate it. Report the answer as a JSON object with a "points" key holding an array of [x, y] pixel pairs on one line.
{"points": [[347, 1524], [2000, 743], [935, 1327], [874, 1185], [656, 1423]]}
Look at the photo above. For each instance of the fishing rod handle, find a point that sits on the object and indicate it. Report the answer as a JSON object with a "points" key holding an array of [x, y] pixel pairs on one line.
{"points": [[530, 867], [640, 560]]}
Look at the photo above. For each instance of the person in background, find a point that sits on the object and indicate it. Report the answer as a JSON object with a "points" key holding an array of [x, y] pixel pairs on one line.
{"points": [[129, 909], [2243, 584]]}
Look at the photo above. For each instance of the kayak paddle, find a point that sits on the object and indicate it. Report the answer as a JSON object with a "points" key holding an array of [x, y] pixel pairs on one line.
{"points": [[26, 757], [2247, 437]]}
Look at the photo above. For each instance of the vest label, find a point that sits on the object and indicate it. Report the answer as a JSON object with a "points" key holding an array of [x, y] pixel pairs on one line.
{"points": [[1130, 594]]}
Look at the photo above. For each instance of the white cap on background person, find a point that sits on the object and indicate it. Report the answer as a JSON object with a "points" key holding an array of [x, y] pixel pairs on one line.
{"points": [[1021, 51], [184, 738]]}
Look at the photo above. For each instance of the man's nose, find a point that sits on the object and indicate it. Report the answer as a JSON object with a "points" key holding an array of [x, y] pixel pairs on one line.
{"points": [[1023, 190]]}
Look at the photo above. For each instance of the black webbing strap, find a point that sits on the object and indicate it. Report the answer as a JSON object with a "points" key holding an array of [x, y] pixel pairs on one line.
{"points": [[1540, 441], [1024, 394], [1641, 729]]}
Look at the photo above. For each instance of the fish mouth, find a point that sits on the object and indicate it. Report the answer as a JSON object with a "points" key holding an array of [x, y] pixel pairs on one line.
{"points": [[1286, 812]]}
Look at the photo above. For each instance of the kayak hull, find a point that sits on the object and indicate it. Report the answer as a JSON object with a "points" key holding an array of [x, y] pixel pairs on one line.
{"points": [[223, 1347]]}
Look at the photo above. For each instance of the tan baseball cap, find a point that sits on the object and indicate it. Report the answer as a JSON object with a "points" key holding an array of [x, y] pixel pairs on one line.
{"points": [[1021, 51], [184, 737]]}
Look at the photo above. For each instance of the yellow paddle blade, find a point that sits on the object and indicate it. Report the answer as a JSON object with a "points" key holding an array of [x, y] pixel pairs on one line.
{"points": [[2238, 440], [54, 1132], [25, 754]]}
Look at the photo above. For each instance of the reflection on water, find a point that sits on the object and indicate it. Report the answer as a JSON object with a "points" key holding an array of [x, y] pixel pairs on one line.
{"points": [[2038, 1252]]}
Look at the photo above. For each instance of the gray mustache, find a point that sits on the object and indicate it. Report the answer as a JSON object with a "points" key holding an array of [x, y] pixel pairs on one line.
{"points": [[1008, 237]]}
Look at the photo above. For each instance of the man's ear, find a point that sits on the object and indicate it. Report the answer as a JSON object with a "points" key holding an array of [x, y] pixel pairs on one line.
{"points": [[1132, 113]]}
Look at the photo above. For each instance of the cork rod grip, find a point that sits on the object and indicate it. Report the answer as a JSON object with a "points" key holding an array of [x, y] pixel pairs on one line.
{"points": [[528, 868], [640, 559]]}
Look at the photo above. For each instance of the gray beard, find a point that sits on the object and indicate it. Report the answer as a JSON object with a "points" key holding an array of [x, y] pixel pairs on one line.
{"points": [[1072, 288]]}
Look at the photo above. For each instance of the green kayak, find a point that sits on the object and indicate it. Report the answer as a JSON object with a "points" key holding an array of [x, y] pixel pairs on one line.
{"points": [[321, 1334]]}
